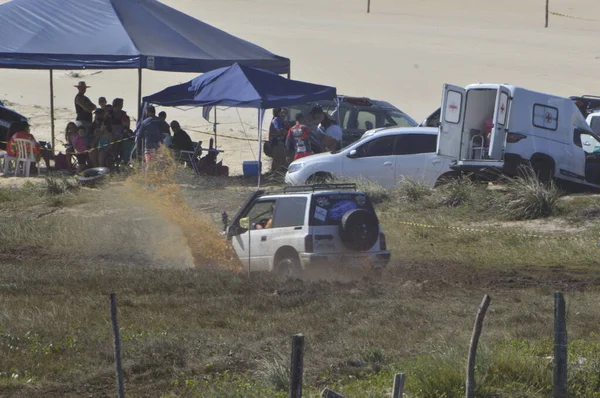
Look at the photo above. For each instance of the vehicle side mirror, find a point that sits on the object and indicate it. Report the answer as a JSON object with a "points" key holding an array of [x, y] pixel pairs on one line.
{"points": [[238, 228], [352, 154]]}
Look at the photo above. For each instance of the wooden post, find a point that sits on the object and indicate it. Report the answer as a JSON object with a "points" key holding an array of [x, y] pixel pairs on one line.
{"points": [[297, 366], [368, 6], [470, 388], [327, 393], [117, 340], [547, 12], [398, 385], [139, 98], [560, 347], [52, 110]]}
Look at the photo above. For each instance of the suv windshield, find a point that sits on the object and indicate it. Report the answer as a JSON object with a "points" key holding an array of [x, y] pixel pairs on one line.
{"points": [[395, 118], [329, 208]]}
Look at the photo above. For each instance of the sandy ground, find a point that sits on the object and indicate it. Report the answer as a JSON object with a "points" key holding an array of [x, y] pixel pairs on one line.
{"points": [[401, 52]]}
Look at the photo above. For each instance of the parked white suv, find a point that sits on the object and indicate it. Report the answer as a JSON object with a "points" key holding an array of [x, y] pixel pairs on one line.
{"points": [[301, 228], [383, 155]]}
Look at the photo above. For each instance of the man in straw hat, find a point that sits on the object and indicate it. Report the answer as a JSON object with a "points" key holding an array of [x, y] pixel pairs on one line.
{"points": [[83, 106]]}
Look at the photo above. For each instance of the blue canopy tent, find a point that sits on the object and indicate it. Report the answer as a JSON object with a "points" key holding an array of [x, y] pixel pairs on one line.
{"points": [[119, 34], [243, 87]]}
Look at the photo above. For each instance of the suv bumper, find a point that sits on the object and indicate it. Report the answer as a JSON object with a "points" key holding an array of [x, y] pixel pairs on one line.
{"points": [[350, 261]]}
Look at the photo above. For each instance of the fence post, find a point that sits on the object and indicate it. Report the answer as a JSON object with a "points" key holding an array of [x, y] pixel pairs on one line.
{"points": [[398, 386], [470, 390], [560, 347], [297, 366], [368, 6], [547, 12], [117, 340]]}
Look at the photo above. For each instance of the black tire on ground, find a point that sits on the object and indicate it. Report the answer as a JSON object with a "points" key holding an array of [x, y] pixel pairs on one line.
{"points": [[289, 268], [446, 178], [359, 230], [543, 169], [319, 178]]}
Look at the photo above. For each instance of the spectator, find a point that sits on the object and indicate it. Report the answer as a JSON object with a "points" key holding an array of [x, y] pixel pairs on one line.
{"points": [[150, 134], [79, 143], [277, 134], [70, 131], [21, 129], [298, 140], [330, 131], [164, 126], [102, 145], [488, 125], [117, 117], [128, 145], [102, 103], [181, 139], [83, 106]]}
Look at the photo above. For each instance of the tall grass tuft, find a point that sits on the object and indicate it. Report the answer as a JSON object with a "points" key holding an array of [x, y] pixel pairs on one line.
{"points": [[275, 373], [527, 198], [455, 192], [412, 191], [58, 185]]}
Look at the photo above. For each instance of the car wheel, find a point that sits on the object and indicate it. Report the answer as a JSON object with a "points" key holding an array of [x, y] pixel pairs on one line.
{"points": [[359, 230], [543, 170], [319, 178], [289, 268], [447, 178]]}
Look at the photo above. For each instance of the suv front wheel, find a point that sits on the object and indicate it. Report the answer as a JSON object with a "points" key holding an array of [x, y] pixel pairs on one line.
{"points": [[289, 268]]}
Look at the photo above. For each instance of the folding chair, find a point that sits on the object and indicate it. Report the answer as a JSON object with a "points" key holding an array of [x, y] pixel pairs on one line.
{"points": [[25, 156], [192, 156]]}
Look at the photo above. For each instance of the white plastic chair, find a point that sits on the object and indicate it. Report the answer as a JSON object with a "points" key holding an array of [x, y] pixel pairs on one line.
{"points": [[25, 156]]}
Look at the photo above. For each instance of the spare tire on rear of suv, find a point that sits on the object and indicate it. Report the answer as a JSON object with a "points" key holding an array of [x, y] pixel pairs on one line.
{"points": [[359, 230]]}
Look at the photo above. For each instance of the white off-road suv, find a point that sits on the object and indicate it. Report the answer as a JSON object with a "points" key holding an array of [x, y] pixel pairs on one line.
{"points": [[307, 227]]}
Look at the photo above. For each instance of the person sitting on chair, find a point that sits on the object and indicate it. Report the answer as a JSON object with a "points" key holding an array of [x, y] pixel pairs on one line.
{"points": [[21, 129]]}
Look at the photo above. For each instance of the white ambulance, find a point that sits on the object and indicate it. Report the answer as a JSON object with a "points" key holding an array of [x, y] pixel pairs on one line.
{"points": [[496, 127]]}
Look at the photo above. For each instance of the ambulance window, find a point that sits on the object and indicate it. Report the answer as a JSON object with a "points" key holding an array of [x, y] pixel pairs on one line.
{"points": [[453, 107], [545, 117], [503, 108]]}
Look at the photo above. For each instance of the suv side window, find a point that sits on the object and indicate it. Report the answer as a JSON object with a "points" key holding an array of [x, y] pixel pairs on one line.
{"points": [[262, 210], [382, 146], [366, 120], [411, 144], [289, 212]]}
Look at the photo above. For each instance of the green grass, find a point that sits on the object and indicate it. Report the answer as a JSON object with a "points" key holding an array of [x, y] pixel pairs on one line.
{"points": [[192, 328]]}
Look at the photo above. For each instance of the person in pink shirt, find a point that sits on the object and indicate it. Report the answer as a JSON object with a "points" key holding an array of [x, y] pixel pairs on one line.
{"points": [[79, 143], [488, 125]]}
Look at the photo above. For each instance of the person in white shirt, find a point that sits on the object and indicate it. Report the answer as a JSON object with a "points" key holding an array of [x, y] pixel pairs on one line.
{"points": [[330, 131]]}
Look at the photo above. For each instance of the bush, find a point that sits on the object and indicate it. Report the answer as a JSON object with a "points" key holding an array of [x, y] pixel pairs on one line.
{"points": [[58, 185], [412, 191], [455, 192], [527, 198]]}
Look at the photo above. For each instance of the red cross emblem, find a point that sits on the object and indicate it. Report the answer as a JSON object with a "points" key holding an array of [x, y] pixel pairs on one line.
{"points": [[502, 108], [549, 117], [453, 107]]}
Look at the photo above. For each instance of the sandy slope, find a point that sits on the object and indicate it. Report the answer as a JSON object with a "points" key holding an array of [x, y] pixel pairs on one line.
{"points": [[402, 52]]}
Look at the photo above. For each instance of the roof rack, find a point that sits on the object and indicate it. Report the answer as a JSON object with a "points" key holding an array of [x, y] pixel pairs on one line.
{"points": [[320, 187]]}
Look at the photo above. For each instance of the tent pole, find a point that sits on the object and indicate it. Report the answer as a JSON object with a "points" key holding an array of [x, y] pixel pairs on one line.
{"points": [[139, 101], [260, 111], [215, 127], [52, 108]]}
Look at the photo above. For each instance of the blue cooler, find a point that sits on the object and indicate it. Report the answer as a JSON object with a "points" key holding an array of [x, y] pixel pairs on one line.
{"points": [[250, 168]]}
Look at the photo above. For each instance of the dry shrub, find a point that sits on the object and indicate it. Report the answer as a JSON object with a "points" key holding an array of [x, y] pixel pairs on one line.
{"points": [[156, 188], [410, 190], [455, 192], [527, 198]]}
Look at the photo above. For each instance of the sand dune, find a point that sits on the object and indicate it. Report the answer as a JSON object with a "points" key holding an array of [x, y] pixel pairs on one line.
{"points": [[403, 51]]}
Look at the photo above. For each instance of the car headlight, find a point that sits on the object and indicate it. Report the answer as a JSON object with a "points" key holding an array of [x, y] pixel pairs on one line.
{"points": [[294, 167]]}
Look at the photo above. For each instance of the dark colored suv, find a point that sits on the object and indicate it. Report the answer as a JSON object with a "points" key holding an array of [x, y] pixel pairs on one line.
{"points": [[357, 115], [7, 117]]}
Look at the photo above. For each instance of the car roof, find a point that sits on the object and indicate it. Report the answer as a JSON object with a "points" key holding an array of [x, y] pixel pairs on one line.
{"points": [[13, 111], [405, 130]]}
